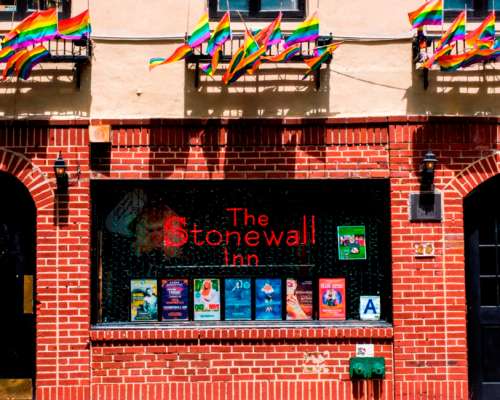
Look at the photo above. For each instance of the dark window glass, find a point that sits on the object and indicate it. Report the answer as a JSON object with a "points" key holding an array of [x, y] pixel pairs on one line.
{"points": [[488, 260], [136, 226], [458, 4], [488, 291], [487, 232], [491, 353], [258, 9], [19, 9], [493, 5]]}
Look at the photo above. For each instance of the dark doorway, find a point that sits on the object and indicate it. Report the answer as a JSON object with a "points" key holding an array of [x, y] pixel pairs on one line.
{"points": [[17, 269], [482, 229]]}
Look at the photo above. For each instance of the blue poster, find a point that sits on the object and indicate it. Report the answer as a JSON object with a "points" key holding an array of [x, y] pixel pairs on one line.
{"points": [[238, 299], [268, 299]]}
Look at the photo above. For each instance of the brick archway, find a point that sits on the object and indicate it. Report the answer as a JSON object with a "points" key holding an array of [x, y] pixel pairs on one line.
{"points": [[31, 177], [474, 174]]}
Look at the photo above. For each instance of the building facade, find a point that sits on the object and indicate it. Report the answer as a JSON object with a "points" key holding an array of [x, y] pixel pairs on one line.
{"points": [[175, 183]]}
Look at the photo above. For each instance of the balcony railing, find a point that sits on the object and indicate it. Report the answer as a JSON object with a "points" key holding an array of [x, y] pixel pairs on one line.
{"points": [[200, 55]]}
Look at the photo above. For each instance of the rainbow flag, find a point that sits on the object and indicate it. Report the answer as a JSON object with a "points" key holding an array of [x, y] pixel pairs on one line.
{"points": [[452, 62], [6, 53], [179, 54], [75, 28], [38, 27], [430, 13], [221, 34], [285, 55], [211, 67], [455, 32], [271, 34], [314, 63], [484, 33], [480, 55], [25, 64], [244, 60], [305, 32], [11, 64], [437, 55], [201, 32]]}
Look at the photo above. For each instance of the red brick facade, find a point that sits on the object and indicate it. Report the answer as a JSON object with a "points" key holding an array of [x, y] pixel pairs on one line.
{"points": [[425, 351]]}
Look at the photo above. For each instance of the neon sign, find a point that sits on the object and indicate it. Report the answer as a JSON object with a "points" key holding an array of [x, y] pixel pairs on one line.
{"points": [[248, 230]]}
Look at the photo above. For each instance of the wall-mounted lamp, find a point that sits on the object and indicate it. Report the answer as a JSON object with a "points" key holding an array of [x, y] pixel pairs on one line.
{"points": [[427, 170], [60, 168]]}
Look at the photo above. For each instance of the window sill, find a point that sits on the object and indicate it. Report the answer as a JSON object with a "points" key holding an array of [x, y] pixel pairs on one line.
{"points": [[241, 330]]}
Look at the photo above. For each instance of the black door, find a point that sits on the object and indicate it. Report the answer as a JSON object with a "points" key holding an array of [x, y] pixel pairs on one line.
{"points": [[482, 223], [17, 265]]}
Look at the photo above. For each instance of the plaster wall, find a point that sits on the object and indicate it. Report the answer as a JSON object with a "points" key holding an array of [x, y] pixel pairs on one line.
{"points": [[364, 79]]}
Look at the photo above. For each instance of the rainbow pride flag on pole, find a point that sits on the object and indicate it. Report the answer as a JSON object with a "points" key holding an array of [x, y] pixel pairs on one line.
{"points": [[314, 63], [201, 32], [75, 28], [244, 60], [305, 32], [455, 32], [11, 64], [211, 67], [25, 64], [38, 27], [221, 34], [437, 55], [285, 55], [180, 53], [430, 13], [6, 53], [483, 34]]}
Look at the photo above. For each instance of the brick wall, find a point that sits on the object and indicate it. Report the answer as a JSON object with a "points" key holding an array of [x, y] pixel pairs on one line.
{"points": [[425, 351]]}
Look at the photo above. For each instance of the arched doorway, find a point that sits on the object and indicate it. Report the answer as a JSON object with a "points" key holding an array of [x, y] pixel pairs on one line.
{"points": [[17, 270], [482, 235]]}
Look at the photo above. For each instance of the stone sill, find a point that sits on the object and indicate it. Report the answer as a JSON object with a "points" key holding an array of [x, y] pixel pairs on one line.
{"points": [[251, 331]]}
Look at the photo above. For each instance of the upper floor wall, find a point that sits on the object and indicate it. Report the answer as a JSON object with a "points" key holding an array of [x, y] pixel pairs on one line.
{"points": [[371, 73]]}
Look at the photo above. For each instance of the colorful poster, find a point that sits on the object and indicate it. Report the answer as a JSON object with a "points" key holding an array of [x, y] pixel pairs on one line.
{"points": [[174, 299], [268, 299], [143, 300], [352, 242], [206, 299], [332, 298], [238, 299], [299, 299]]}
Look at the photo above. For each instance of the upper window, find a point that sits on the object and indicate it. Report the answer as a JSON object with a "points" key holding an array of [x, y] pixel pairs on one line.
{"points": [[476, 9], [19, 9], [258, 9]]}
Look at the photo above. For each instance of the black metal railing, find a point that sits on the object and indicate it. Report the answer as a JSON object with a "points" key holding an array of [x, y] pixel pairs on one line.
{"points": [[201, 56]]}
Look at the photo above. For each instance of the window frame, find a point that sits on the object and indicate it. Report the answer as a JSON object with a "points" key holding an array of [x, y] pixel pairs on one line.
{"points": [[254, 14], [479, 12], [22, 10]]}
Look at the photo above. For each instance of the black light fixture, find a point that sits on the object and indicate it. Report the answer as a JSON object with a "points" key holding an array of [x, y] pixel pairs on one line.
{"points": [[427, 170], [60, 172]]}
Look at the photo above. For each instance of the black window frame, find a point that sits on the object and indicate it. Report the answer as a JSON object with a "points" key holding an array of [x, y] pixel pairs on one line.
{"points": [[22, 10], [255, 13], [479, 11]]}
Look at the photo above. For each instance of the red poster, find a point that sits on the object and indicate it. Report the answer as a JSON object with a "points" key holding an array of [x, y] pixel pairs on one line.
{"points": [[332, 298]]}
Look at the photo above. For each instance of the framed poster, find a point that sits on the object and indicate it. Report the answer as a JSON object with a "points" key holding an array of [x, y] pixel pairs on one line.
{"points": [[268, 299], [352, 242], [299, 299], [174, 299], [238, 299], [143, 300], [207, 299], [332, 298]]}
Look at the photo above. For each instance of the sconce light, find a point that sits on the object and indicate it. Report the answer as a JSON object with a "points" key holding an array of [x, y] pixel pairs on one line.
{"points": [[427, 170], [60, 172]]}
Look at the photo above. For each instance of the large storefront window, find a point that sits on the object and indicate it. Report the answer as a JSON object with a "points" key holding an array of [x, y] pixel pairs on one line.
{"points": [[185, 251]]}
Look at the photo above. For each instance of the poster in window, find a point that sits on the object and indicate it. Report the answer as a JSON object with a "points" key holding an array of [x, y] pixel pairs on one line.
{"points": [[174, 299], [332, 298], [299, 299], [143, 300], [352, 242], [238, 299], [207, 299], [268, 299]]}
